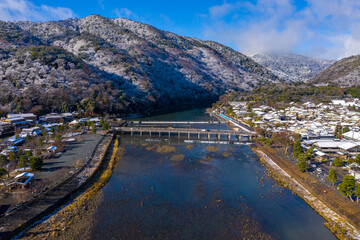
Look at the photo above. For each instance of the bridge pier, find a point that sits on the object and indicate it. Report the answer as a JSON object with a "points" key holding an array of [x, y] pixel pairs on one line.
{"points": [[196, 133]]}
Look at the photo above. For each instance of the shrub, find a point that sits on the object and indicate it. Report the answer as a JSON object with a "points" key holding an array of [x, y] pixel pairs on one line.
{"points": [[35, 163], [302, 166], [338, 162]]}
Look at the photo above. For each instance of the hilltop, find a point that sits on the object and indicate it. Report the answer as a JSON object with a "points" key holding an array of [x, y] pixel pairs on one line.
{"points": [[116, 66], [345, 73], [292, 67]]}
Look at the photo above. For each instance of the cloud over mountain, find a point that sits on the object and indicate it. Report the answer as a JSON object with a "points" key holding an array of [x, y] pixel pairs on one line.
{"points": [[328, 29], [14, 10]]}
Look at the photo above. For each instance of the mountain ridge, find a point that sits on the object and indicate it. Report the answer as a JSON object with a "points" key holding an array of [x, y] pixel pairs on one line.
{"points": [[135, 66], [293, 67], [345, 73]]}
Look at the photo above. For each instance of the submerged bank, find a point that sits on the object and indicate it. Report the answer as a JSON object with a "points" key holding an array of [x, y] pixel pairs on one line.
{"points": [[342, 228]]}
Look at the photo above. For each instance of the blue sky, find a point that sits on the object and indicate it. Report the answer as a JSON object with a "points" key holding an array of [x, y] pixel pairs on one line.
{"points": [[321, 28]]}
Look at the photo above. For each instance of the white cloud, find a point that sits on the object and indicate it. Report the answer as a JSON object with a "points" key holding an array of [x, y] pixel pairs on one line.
{"points": [[124, 13], [322, 28], [12, 10], [221, 10]]}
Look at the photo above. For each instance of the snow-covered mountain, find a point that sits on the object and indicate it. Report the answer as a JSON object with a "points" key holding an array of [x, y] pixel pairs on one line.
{"points": [[115, 65], [292, 67], [345, 73]]}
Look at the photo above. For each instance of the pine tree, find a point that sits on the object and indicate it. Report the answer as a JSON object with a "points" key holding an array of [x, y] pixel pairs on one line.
{"points": [[357, 192], [347, 187], [309, 153], [338, 162], [332, 176], [297, 149], [302, 166], [357, 159]]}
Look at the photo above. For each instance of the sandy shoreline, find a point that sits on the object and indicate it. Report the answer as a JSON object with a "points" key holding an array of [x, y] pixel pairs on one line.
{"points": [[331, 216]]}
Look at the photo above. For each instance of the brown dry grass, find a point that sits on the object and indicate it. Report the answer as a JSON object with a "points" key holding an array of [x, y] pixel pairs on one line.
{"points": [[83, 206], [161, 148], [189, 147], [212, 148], [177, 157]]}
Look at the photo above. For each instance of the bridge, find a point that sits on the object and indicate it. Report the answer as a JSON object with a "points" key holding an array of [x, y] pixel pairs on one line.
{"points": [[188, 133]]}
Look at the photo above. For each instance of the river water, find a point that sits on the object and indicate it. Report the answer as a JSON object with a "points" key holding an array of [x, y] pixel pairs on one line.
{"points": [[176, 190]]}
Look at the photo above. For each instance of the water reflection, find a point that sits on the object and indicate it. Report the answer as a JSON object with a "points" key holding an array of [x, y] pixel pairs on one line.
{"points": [[180, 191]]}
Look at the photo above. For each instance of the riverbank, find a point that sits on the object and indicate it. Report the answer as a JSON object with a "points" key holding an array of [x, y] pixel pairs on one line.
{"points": [[42, 205], [341, 215], [75, 219]]}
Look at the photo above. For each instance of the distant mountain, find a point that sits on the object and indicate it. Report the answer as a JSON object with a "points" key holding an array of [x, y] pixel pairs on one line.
{"points": [[116, 66], [345, 72], [292, 67]]}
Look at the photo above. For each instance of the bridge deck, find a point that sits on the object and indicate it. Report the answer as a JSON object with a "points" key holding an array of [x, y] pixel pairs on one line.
{"points": [[183, 130]]}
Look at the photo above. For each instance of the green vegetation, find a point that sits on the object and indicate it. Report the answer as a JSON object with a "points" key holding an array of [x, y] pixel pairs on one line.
{"points": [[332, 176], [104, 125], [338, 162], [302, 166], [3, 172], [347, 187], [265, 140], [230, 112], [48, 55], [35, 163], [297, 150], [357, 192], [309, 153], [278, 95], [357, 159], [23, 161]]}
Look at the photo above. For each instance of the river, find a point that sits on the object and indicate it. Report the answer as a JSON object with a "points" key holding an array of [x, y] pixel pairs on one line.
{"points": [[176, 190]]}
